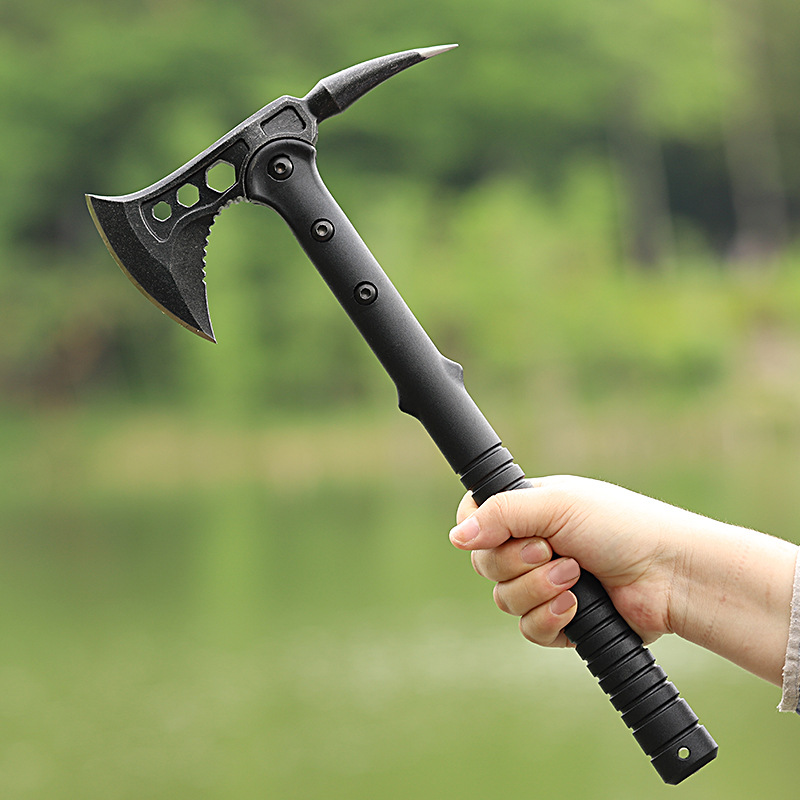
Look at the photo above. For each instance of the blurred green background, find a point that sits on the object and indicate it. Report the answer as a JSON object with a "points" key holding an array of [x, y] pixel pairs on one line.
{"points": [[224, 570]]}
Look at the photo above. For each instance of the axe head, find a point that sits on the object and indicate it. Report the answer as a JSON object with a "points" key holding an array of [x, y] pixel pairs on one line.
{"points": [[158, 235]]}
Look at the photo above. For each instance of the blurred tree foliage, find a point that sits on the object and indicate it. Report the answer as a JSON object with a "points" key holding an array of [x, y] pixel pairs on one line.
{"points": [[565, 140]]}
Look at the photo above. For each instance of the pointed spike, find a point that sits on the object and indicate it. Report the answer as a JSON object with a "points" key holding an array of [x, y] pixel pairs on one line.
{"points": [[430, 52], [335, 93]]}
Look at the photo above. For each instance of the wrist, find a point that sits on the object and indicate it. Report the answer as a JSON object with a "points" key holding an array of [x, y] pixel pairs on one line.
{"points": [[732, 594]]}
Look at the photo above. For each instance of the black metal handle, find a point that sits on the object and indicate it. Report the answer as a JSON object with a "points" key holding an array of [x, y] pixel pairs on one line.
{"points": [[430, 387]]}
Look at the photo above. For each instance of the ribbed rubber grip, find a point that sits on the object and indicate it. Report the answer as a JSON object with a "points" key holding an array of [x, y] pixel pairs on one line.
{"points": [[662, 722]]}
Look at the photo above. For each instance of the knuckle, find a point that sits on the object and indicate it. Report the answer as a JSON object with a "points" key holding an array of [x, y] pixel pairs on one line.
{"points": [[536, 630], [531, 584], [487, 564], [493, 514], [500, 507], [499, 599]]}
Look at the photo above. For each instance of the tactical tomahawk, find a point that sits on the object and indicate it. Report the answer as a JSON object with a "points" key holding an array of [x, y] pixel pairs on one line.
{"points": [[158, 236]]}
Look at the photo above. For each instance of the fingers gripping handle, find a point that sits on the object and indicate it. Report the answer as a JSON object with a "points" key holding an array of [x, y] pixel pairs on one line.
{"points": [[662, 722]]}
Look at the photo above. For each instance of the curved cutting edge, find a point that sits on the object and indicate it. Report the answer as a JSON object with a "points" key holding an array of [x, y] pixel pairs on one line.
{"points": [[179, 290]]}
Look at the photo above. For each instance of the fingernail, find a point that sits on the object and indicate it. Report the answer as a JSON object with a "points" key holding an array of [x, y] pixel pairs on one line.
{"points": [[465, 532], [564, 572], [563, 603], [535, 552]]}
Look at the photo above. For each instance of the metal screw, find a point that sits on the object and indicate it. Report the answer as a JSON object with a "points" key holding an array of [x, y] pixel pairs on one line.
{"points": [[322, 230], [366, 293], [280, 168]]}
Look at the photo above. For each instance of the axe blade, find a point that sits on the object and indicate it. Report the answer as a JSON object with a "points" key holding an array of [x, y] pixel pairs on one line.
{"points": [[171, 277], [158, 235]]}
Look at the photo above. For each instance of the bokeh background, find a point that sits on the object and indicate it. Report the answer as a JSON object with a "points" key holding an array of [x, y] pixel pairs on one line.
{"points": [[224, 570]]}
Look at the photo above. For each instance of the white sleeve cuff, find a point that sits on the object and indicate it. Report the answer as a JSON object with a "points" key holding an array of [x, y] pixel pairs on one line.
{"points": [[790, 701]]}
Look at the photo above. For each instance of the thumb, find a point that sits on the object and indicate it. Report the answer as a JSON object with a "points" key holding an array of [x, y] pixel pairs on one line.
{"points": [[518, 514]]}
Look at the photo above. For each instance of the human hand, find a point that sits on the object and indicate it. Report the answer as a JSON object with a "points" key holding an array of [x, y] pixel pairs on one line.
{"points": [[665, 569], [623, 538]]}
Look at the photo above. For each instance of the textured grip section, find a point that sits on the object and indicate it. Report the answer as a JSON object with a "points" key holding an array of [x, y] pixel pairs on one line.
{"points": [[663, 724]]}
